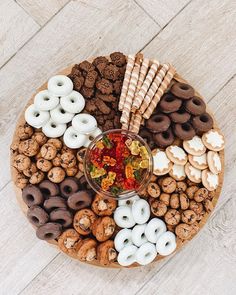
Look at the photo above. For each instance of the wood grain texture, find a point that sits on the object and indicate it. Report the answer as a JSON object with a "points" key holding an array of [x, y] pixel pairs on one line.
{"points": [[64, 42], [16, 27], [201, 44], [162, 11], [42, 10]]}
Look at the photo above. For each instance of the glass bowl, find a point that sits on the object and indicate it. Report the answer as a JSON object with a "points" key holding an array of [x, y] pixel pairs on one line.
{"points": [[143, 179]]}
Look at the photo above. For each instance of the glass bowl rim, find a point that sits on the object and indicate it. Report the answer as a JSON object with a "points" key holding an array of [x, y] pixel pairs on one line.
{"points": [[129, 193]]}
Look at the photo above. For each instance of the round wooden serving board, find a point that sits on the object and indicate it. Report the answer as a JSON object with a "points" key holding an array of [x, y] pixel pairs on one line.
{"points": [[24, 207]]}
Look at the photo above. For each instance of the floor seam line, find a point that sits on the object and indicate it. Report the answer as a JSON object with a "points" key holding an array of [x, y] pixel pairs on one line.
{"points": [[148, 14]]}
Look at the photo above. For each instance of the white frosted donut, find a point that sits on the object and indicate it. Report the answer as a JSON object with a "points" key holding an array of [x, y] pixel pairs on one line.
{"points": [[146, 253], [53, 129], [155, 228], [138, 234], [122, 239], [73, 139], [123, 217], [84, 123], [45, 101], [60, 85], [166, 243], [141, 211], [127, 255], [35, 117], [59, 115], [73, 103], [128, 202]]}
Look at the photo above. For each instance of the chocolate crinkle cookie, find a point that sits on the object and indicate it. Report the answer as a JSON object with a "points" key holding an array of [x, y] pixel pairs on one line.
{"points": [[105, 86], [118, 58], [111, 72]]}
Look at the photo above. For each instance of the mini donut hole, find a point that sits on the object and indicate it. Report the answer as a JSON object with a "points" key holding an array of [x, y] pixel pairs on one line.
{"points": [[62, 111], [186, 127], [48, 236], [30, 198], [169, 98], [34, 219], [166, 134], [158, 119], [36, 114], [53, 125], [46, 98], [67, 189], [184, 87], [196, 101], [203, 118], [60, 83], [126, 241]]}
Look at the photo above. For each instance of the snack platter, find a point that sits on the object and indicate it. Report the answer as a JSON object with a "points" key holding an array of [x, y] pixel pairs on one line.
{"points": [[126, 95]]}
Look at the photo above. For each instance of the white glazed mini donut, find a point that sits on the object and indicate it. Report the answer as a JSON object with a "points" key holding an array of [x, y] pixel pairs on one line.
{"points": [[53, 129], [141, 211], [35, 117], [138, 234], [84, 123], [123, 217], [146, 253], [45, 101], [166, 243], [73, 139], [60, 85], [128, 202], [127, 255], [155, 228], [59, 115], [73, 103], [122, 239]]}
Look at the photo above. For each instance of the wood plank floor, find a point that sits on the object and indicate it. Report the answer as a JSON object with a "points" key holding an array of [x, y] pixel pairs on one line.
{"points": [[40, 37]]}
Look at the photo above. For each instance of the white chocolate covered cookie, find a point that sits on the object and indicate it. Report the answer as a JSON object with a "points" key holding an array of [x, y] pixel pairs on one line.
{"points": [[214, 140], [210, 180], [214, 162], [194, 146], [199, 162], [177, 172], [194, 174], [176, 154], [161, 163]]}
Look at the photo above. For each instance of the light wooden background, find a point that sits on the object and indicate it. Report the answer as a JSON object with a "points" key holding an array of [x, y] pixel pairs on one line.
{"points": [[40, 37]]}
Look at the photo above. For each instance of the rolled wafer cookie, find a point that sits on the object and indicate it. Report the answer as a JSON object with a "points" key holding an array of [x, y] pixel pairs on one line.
{"points": [[125, 117], [153, 88], [136, 122], [164, 85], [146, 84], [128, 71], [142, 75], [125, 126], [131, 123]]}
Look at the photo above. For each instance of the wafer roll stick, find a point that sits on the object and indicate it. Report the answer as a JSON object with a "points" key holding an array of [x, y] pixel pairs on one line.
{"points": [[142, 75], [131, 123], [153, 88], [164, 85], [131, 90], [137, 122], [146, 84], [128, 71], [125, 126]]}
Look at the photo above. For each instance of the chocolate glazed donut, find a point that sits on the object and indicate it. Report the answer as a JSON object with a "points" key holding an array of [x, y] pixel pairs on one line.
{"points": [[37, 216], [195, 106], [32, 195], [61, 216], [158, 123], [69, 186], [182, 90], [54, 203], [49, 231], [181, 116], [202, 123], [169, 103], [164, 139], [184, 131], [80, 200], [48, 188], [147, 136]]}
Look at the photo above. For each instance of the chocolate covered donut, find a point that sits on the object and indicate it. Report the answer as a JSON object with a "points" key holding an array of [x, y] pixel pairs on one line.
{"points": [[158, 123], [164, 139], [169, 103], [182, 90], [147, 136], [202, 123], [37, 216], [48, 188], [69, 186], [49, 231], [61, 216], [181, 116], [79, 200], [54, 203], [184, 131], [32, 195], [195, 106]]}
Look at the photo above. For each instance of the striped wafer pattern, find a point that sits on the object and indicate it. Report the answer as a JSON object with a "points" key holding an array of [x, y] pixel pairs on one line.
{"points": [[153, 88], [136, 122], [128, 71], [164, 85]]}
